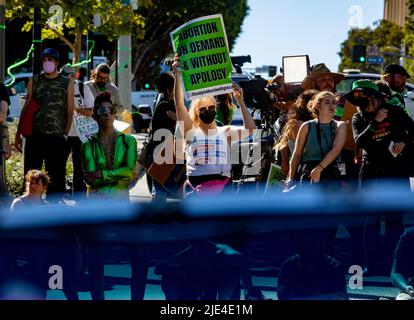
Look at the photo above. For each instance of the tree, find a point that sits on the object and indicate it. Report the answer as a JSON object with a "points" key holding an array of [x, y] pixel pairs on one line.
{"points": [[75, 19], [386, 35], [409, 36], [150, 25], [164, 16]]}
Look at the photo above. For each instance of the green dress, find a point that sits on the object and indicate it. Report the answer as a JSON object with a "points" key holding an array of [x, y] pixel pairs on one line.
{"points": [[115, 180]]}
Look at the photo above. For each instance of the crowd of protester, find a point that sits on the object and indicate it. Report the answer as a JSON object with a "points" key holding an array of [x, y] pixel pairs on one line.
{"points": [[342, 143]]}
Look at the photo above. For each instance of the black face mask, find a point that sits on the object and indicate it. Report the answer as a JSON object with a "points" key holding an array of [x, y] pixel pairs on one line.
{"points": [[100, 84], [368, 115], [207, 115], [362, 102]]}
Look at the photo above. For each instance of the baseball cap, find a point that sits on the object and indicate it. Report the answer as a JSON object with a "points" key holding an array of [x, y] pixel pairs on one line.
{"points": [[396, 69], [50, 52]]}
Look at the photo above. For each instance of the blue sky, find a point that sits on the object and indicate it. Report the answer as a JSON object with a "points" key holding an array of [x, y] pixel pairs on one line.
{"points": [[275, 28]]}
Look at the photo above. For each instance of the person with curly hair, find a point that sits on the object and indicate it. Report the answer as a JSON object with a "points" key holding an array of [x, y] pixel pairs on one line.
{"points": [[297, 115]]}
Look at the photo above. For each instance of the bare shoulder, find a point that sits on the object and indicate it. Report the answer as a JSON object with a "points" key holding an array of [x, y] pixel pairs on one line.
{"points": [[341, 124]]}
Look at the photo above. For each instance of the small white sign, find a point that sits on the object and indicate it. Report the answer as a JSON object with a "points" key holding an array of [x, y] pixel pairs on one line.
{"points": [[85, 126], [121, 125], [391, 148]]}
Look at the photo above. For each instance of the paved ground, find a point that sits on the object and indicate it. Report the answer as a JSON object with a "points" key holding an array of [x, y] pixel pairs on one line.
{"points": [[117, 274], [117, 287]]}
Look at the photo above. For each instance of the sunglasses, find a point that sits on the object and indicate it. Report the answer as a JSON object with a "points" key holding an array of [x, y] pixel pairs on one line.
{"points": [[204, 109], [104, 111]]}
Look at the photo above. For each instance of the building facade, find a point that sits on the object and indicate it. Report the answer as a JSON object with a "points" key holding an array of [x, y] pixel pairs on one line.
{"points": [[395, 11]]}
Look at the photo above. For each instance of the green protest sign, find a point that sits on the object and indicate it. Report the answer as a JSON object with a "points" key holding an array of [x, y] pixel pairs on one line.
{"points": [[204, 56], [274, 179]]}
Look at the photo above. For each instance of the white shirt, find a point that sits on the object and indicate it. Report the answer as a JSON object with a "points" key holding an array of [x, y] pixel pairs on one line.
{"points": [[87, 101], [209, 154]]}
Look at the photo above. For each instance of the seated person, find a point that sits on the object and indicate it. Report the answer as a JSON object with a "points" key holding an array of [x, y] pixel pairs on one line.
{"points": [[402, 272]]}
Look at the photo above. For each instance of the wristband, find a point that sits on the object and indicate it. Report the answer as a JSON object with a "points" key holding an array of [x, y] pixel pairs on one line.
{"points": [[323, 168]]}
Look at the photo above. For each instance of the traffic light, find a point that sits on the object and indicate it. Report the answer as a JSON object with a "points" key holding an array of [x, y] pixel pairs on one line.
{"points": [[359, 54], [147, 86]]}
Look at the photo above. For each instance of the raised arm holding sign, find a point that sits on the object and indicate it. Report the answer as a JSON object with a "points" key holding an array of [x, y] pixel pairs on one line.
{"points": [[204, 54]]}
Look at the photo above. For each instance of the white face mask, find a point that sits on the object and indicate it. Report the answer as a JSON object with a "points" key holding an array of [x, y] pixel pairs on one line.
{"points": [[49, 66]]}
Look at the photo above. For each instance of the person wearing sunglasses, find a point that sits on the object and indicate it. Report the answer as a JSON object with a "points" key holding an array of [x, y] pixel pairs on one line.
{"points": [[108, 157], [108, 160], [100, 82], [208, 165], [208, 146]]}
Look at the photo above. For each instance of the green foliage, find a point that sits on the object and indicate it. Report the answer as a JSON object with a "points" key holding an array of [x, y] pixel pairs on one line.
{"points": [[150, 25], [14, 174], [116, 19], [409, 37], [386, 35], [164, 16], [15, 168]]}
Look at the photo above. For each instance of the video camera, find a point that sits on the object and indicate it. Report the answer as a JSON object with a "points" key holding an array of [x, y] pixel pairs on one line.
{"points": [[256, 93], [238, 62]]}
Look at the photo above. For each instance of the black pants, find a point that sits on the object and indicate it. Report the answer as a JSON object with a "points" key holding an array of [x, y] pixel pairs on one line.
{"points": [[139, 269], [50, 149], [73, 144]]}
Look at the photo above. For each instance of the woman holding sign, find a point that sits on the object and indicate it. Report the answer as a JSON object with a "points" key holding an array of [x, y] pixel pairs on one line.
{"points": [[208, 147], [208, 163]]}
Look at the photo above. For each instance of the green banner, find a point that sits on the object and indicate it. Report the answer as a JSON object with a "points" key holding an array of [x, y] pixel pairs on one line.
{"points": [[204, 56]]}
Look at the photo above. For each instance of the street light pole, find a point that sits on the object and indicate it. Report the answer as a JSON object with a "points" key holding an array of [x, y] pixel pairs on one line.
{"points": [[124, 61], [37, 35], [2, 38], [3, 128], [402, 51]]}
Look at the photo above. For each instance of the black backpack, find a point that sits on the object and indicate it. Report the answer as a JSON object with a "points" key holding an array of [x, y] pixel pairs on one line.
{"points": [[81, 89]]}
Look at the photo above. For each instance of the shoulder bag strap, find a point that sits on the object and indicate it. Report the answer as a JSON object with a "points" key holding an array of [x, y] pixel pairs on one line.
{"points": [[35, 82]]}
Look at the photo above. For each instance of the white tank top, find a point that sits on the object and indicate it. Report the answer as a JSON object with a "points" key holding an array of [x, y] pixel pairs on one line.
{"points": [[208, 154]]}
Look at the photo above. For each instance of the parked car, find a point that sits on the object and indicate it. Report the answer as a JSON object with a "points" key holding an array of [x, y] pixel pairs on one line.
{"points": [[143, 98], [353, 75], [143, 107], [17, 94]]}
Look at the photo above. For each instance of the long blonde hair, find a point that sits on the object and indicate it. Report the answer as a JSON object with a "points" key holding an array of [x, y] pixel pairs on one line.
{"points": [[195, 105]]}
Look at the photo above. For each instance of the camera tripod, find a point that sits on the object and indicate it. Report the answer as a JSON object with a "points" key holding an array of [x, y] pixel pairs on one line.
{"points": [[264, 139]]}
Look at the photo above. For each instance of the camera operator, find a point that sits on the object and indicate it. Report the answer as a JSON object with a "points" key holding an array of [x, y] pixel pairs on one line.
{"points": [[384, 132], [278, 92]]}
